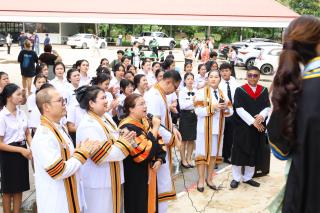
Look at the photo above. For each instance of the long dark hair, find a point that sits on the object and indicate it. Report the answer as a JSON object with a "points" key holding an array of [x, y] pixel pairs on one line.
{"points": [[300, 41], [7, 92]]}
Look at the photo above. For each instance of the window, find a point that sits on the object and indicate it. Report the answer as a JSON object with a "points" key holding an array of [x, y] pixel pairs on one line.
{"points": [[275, 52], [42, 27], [147, 34]]}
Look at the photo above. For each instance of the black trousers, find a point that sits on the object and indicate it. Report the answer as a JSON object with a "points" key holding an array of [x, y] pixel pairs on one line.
{"points": [[233, 72], [228, 137], [8, 48]]}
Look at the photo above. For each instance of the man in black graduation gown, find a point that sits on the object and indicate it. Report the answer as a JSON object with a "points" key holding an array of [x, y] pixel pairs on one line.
{"points": [[252, 105]]}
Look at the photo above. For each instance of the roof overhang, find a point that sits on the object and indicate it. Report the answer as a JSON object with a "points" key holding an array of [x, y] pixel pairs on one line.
{"points": [[234, 13]]}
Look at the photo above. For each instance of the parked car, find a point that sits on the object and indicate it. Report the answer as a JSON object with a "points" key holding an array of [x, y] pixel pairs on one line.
{"points": [[250, 51], [224, 48], [268, 60], [163, 40], [84, 41], [2, 40], [258, 40]]}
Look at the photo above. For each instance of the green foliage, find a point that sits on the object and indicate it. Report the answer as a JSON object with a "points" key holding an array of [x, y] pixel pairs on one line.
{"points": [[303, 7]]}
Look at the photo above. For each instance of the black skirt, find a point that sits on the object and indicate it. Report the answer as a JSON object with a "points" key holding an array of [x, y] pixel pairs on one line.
{"points": [[14, 171], [188, 125]]}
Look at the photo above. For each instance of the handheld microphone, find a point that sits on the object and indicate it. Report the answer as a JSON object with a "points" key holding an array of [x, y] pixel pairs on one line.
{"points": [[150, 116]]}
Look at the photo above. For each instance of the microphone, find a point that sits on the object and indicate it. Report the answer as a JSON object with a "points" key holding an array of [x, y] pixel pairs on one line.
{"points": [[150, 116]]}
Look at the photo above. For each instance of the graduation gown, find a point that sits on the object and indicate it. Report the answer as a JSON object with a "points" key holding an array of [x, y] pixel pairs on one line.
{"points": [[210, 125], [56, 163], [102, 174], [138, 175], [247, 139], [157, 104], [303, 187]]}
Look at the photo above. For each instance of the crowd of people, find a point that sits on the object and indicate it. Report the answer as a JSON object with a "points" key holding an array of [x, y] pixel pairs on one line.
{"points": [[104, 143]]}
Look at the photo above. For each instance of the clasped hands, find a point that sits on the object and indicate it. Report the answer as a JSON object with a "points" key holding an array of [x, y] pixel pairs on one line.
{"points": [[91, 146], [258, 123]]}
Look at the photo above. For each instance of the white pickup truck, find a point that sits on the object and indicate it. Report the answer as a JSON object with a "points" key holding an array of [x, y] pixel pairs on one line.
{"points": [[163, 40]]}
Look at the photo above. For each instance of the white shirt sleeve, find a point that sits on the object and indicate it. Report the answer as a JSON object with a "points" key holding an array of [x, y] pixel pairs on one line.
{"points": [[2, 125], [265, 112], [245, 116], [154, 105]]}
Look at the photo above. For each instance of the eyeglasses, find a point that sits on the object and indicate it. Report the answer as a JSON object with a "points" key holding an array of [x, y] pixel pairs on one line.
{"points": [[252, 75], [63, 101]]}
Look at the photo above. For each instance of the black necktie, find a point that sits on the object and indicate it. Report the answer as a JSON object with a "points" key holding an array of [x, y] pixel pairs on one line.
{"points": [[229, 91], [215, 94]]}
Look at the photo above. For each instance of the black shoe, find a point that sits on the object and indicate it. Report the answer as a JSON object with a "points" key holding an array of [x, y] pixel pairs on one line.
{"points": [[185, 166], [200, 189], [252, 183], [190, 165], [212, 186], [234, 184]]}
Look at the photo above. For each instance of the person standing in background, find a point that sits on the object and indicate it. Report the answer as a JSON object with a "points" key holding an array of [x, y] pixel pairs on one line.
{"points": [[22, 38], [228, 85], [120, 40], [46, 40], [233, 59], [27, 59], [9, 43], [36, 43]]}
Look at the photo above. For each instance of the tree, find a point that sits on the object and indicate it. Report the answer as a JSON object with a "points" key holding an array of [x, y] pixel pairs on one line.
{"points": [[303, 7]]}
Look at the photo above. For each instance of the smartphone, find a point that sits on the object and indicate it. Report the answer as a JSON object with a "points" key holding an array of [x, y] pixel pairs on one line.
{"points": [[221, 101]]}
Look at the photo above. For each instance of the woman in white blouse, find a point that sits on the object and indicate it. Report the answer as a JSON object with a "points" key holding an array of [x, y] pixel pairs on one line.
{"points": [[60, 82], [201, 80], [140, 84], [188, 120], [14, 136], [34, 113]]}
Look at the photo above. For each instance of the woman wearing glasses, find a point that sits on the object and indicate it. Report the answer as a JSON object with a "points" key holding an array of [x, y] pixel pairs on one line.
{"points": [[211, 107], [188, 120], [141, 166], [252, 105]]}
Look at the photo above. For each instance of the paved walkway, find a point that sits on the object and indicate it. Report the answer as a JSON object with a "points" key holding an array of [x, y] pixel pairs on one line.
{"points": [[9, 64]]}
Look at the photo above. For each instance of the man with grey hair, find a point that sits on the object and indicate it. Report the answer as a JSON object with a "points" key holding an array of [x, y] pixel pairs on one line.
{"points": [[56, 161]]}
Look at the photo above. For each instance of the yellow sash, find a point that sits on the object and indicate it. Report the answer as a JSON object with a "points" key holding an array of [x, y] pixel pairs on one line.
{"points": [[70, 183], [208, 128], [168, 124], [152, 188], [114, 166]]}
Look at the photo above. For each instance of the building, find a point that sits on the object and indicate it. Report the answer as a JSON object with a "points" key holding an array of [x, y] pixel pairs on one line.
{"points": [[62, 20]]}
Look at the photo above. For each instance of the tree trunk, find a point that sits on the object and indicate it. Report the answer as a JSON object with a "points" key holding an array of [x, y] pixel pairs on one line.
{"points": [[109, 31]]}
